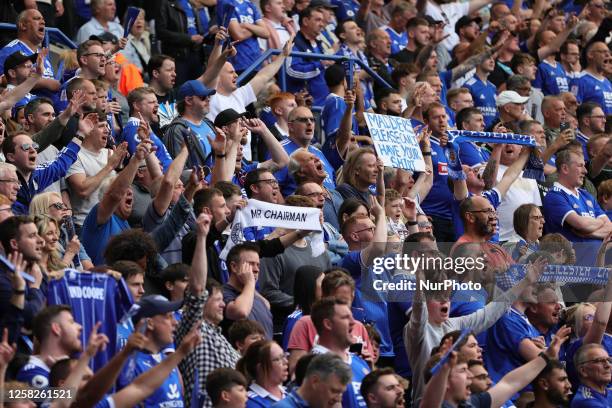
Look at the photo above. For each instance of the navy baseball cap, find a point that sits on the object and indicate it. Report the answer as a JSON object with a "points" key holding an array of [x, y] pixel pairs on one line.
{"points": [[226, 117], [194, 88], [17, 58], [155, 305]]}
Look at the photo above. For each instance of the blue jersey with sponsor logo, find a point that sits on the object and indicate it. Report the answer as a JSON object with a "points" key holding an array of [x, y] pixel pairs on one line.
{"points": [[244, 12], [438, 201], [346, 9], [483, 94], [352, 396], [398, 40], [130, 135], [551, 78], [94, 297], [561, 202], [591, 89], [35, 373], [168, 395]]}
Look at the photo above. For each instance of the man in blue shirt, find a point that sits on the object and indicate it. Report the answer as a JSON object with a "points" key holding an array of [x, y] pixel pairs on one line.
{"points": [[591, 121], [308, 73], [17, 69], [159, 325], [572, 211], [592, 84], [470, 153], [193, 106], [483, 92], [550, 77], [58, 335], [593, 365], [301, 132], [30, 35], [437, 204], [20, 150], [326, 378], [143, 107], [334, 323], [246, 26], [109, 216], [400, 15]]}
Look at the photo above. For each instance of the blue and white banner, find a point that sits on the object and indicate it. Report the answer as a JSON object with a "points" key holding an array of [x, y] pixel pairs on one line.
{"points": [[132, 15], [555, 273], [395, 141]]}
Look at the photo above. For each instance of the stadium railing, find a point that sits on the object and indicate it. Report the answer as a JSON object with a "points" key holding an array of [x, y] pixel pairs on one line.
{"points": [[55, 35]]}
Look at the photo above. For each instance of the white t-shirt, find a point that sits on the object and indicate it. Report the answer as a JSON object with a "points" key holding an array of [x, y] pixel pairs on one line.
{"points": [[283, 35], [238, 100], [90, 164], [522, 191], [449, 13]]}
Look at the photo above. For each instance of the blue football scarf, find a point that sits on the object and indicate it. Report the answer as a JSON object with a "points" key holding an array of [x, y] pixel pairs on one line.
{"points": [[555, 273], [534, 168]]}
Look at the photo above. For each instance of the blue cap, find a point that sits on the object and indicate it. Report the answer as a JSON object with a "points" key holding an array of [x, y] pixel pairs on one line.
{"points": [[155, 305], [194, 88]]}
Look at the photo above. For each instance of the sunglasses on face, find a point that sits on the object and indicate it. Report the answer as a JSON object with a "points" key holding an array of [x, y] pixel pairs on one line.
{"points": [[58, 206], [27, 146]]}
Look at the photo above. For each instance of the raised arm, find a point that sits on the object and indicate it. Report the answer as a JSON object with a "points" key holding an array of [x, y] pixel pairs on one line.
{"points": [[97, 341], [555, 45], [199, 263], [513, 172], [241, 307], [217, 59], [17, 93], [378, 245], [520, 377], [423, 183], [162, 199], [104, 379], [278, 155], [146, 383], [116, 192], [476, 5], [267, 73]]}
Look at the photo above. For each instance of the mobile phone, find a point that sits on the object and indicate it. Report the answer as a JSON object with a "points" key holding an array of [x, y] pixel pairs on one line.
{"points": [[356, 348], [563, 126]]}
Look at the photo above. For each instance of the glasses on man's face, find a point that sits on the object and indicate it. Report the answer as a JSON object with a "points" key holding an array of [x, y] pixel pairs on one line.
{"points": [[58, 206], [601, 360], [96, 54], [272, 182], [487, 211], [597, 117], [27, 146], [11, 181], [304, 120]]}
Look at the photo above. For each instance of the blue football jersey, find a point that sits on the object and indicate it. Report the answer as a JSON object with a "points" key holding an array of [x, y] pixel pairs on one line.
{"points": [[18, 45], [352, 396], [35, 373], [398, 40], [168, 395], [248, 50], [94, 297], [589, 398], [591, 89], [483, 94], [130, 135], [438, 201], [551, 78]]}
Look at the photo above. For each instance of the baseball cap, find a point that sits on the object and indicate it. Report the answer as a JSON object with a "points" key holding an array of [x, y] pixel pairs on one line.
{"points": [[226, 117], [194, 88], [510, 97], [322, 3], [17, 58], [155, 305], [466, 21], [105, 37]]}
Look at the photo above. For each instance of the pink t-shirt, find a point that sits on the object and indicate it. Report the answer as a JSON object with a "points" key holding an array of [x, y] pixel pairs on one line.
{"points": [[304, 335]]}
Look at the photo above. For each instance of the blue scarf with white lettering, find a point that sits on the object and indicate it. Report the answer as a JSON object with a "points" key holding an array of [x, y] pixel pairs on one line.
{"points": [[534, 168], [555, 273], [192, 28]]}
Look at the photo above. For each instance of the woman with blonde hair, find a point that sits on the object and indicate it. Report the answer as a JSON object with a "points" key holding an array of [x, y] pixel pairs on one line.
{"points": [[361, 170], [51, 259], [50, 205]]}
